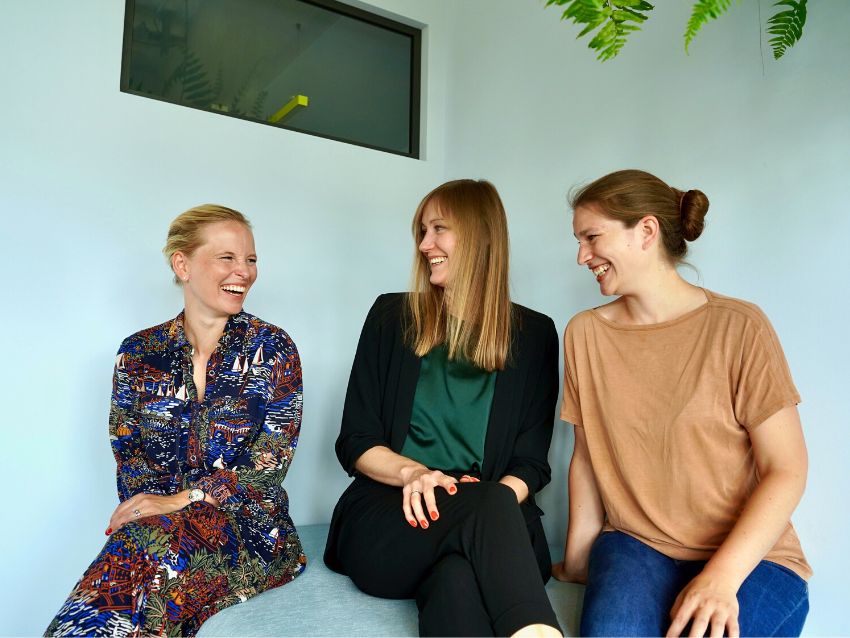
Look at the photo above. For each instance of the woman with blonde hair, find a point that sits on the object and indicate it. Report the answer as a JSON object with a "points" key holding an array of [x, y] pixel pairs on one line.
{"points": [[446, 427], [206, 410], [689, 455]]}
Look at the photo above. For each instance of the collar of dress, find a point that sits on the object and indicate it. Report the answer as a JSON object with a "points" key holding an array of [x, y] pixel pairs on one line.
{"points": [[177, 335]]}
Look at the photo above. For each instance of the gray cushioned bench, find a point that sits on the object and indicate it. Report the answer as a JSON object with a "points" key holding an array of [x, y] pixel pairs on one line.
{"points": [[323, 603]]}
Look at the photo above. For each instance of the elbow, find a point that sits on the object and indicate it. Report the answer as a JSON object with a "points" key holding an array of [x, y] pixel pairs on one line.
{"points": [[792, 480]]}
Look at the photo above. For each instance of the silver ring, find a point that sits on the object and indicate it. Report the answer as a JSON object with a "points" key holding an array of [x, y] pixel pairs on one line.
{"points": [[136, 513], [415, 492]]}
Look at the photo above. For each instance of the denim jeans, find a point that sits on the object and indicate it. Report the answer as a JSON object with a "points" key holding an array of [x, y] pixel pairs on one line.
{"points": [[631, 589]]}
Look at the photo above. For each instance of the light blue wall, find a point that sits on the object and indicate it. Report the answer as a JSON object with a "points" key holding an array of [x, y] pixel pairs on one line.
{"points": [[531, 110], [90, 179]]}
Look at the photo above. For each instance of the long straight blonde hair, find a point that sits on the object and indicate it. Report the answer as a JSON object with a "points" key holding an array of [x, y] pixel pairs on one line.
{"points": [[472, 315]]}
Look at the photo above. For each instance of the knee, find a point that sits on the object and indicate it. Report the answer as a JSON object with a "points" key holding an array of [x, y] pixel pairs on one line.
{"points": [[455, 572], [494, 499]]}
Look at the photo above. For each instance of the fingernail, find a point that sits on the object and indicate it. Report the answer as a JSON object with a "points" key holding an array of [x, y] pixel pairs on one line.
{"points": [[423, 523], [109, 531], [434, 516], [412, 523], [452, 489]]}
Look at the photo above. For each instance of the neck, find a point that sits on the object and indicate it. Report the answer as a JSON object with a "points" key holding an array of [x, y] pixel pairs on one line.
{"points": [[663, 296], [203, 329]]}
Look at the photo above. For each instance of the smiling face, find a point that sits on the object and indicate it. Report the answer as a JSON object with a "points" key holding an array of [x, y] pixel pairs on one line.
{"points": [[217, 277], [437, 244], [612, 252]]}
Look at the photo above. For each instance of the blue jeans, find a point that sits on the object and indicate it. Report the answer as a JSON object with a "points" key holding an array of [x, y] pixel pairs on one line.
{"points": [[631, 589]]}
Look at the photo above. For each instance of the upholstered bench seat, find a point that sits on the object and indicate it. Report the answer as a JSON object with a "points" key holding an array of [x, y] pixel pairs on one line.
{"points": [[322, 603]]}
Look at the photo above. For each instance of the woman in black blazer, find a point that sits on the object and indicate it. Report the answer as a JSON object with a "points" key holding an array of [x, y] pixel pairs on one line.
{"points": [[446, 428]]}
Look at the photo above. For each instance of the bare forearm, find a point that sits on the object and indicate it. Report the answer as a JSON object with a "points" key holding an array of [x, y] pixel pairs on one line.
{"points": [[517, 485], [587, 516], [764, 518], [385, 466]]}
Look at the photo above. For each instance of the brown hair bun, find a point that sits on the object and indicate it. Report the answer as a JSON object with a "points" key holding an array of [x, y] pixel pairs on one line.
{"points": [[630, 195], [694, 208]]}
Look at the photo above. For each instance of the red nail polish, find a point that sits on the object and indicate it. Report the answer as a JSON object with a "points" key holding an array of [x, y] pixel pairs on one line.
{"points": [[452, 489], [423, 523], [434, 516], [413, 523], [109, 531]]}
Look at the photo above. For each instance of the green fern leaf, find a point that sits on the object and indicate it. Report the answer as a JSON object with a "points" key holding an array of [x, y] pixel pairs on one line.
{"points": [[218, 87], [703, 12], [615, 17], [240, 92], [787, 26], [259, 108]]}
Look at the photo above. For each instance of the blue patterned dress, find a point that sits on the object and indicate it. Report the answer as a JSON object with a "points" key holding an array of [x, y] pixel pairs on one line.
{"points": [[165, 575]]}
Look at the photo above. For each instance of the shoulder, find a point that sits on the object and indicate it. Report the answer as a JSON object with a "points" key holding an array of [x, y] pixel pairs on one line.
{"points": [[738, 311], [148, 340], [252, 329], [531, 321], [579, 323], [534, 333], [390, 302], [387, 310]]}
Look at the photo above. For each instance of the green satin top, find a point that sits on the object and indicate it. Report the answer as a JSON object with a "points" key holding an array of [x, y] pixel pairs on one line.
{"points": [[451, 410]]}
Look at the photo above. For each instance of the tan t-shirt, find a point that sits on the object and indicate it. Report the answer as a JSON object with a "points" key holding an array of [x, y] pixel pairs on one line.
{"points": [[667, 409]]}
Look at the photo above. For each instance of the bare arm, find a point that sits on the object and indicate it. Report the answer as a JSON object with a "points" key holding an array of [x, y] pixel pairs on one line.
{"points": [[587, 515], [517, 485], [385, 466], [782, 460], [151, 505]]}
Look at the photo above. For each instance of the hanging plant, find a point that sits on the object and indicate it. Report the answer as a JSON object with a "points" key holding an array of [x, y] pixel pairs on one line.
{"points": [[616, 19]]}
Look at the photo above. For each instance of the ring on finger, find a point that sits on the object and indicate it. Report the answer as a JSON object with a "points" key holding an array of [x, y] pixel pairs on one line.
{"points": [[137, 513], [415, 492]]}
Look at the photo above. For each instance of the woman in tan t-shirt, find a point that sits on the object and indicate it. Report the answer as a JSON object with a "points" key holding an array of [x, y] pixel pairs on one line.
{"points": [[689, 455]]}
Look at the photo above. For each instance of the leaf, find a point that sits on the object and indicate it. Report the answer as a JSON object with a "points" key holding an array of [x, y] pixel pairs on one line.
{"points": [[628, 15], [787, 26], [240, 93], [604, 37], [615, 17], [259, 108], [218, 87], [703, 12]]}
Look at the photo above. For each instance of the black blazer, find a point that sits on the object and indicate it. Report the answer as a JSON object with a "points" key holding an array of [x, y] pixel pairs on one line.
{"points": [[382, 386]]}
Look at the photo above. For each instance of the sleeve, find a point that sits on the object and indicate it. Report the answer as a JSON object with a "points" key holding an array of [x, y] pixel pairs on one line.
{"points": [[133, 473], [362, 428], [570, 402], [529, 459], [764, 384], [262, 468]]}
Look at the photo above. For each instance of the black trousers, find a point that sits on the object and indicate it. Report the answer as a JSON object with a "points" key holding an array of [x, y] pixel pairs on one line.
{"points": [[473, 572]]}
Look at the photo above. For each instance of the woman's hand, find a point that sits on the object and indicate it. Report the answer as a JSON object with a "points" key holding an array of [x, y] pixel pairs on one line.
{"points": [[146, 505], [419, 484], [706, 599]]}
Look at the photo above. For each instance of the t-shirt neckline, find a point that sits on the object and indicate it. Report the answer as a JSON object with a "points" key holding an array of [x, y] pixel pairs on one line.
{"points": [[710, 297]]}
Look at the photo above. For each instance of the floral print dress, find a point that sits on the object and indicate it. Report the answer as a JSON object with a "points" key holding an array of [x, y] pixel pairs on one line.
{"points": [[165, 575]]}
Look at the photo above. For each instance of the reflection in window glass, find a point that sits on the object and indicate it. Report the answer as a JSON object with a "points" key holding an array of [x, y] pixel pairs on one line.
{"points": [[283, 62]]}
